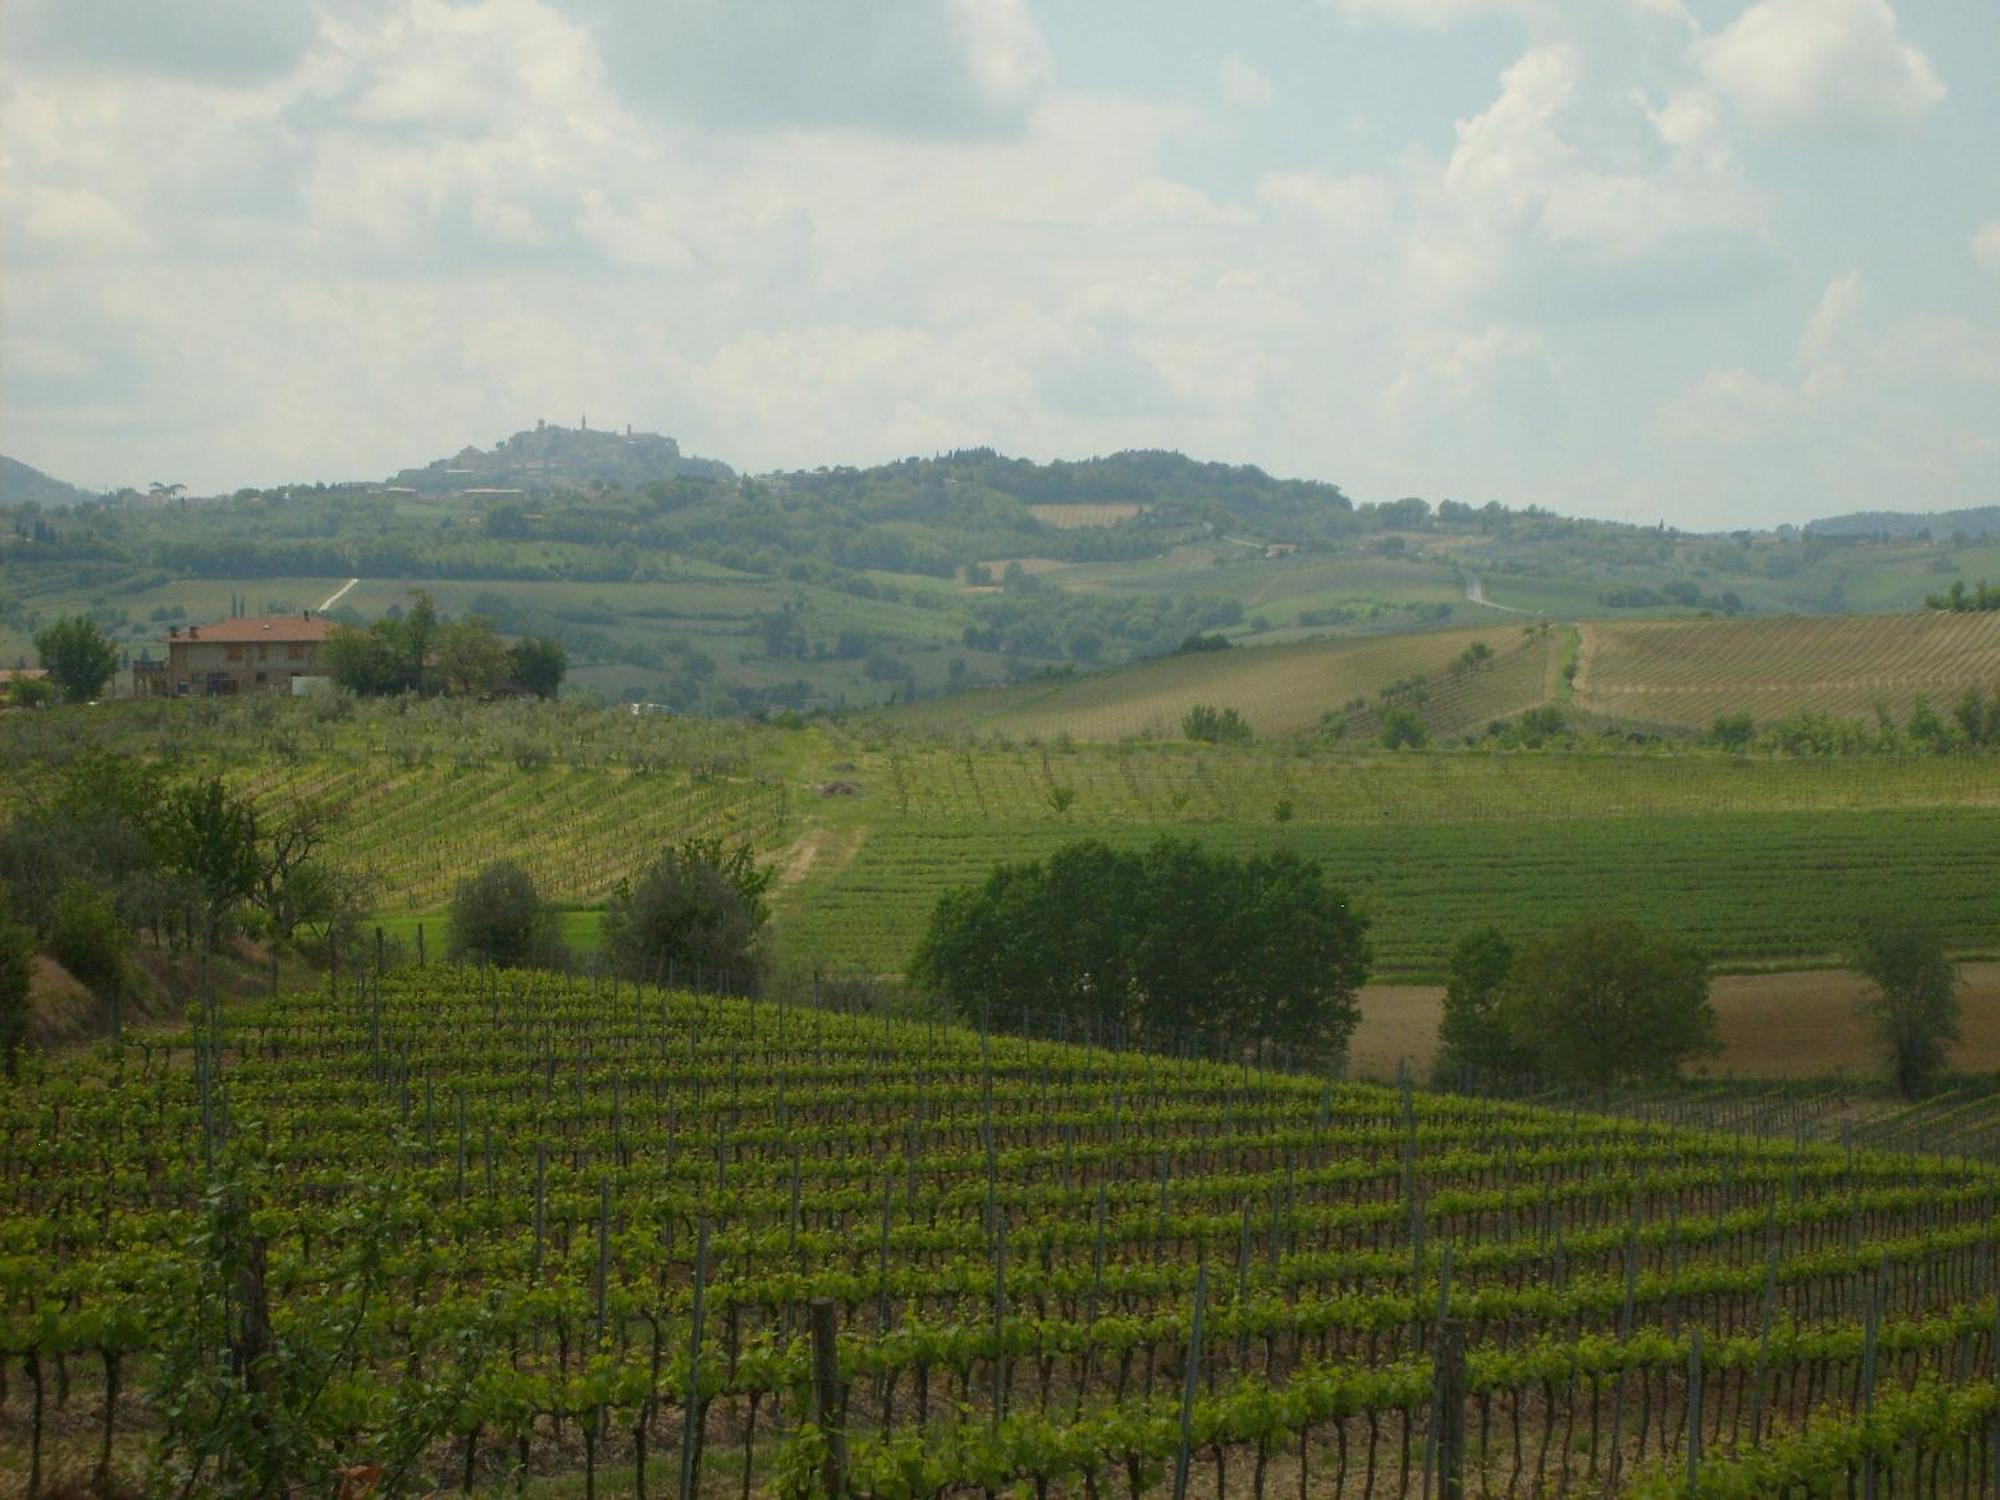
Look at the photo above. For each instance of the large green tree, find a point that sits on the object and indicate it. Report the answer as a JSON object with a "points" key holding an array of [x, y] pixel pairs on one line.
{"points": [[1610, 1001], [78, 656], [1915, 1008], [1181, 945]]}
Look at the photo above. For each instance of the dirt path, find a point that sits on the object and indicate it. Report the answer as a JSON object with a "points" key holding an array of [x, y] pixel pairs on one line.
{"points": [[1475, 593], [818, 848], [1798, 1025]]}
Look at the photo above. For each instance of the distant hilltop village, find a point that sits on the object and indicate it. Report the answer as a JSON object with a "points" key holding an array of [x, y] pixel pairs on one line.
{"points": [[553, 458]]}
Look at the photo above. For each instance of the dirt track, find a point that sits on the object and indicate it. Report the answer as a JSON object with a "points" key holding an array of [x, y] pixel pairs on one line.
{"points": [[1773, 1025]]}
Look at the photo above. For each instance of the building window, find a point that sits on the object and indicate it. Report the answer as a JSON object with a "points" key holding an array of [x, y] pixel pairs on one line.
{"points": [[235, 653], [296, 651], [263, 654]]}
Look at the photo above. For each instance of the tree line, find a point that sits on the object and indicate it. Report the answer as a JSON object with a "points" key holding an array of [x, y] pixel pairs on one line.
{"points": [[418, 650], [1179, 947]]}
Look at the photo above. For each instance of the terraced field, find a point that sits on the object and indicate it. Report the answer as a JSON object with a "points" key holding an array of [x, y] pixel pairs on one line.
{"points": [[1686, 672], [1278, 690]]}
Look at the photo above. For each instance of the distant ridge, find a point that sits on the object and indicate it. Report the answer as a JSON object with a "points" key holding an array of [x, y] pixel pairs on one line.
{"points": [[559, 458], [20, 484], [1980, 521]]}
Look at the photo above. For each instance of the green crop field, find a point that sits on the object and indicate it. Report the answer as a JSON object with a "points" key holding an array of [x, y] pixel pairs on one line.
{"points": [[476, 1231], [1686, 672]]}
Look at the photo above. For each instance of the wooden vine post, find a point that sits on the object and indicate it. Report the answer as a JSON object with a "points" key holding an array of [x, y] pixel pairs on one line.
{"points": [[827, 1396], [1449, 1383]]}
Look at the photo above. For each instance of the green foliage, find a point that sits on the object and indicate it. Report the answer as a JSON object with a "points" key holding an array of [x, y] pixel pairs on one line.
{"points": [[79, 657], [1215, 726], [88, 938], [498, 917], [1959, 599], [32, 692], [695, 913], [1734, 732], [537, 665], [1403, 729], [210, 837], [1915, 1011], [1474, 1039], [1182, 944], [17, 955], [1537, 726], [1610, 1001]]}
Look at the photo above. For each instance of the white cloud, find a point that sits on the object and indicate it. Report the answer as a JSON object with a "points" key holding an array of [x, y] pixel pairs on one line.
{"points": [[1986, 246], [1243, 85], [1568, 194], [1835, 65]]}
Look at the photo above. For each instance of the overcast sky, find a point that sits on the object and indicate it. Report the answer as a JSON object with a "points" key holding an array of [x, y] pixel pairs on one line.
{"points": [[1717, 262]]}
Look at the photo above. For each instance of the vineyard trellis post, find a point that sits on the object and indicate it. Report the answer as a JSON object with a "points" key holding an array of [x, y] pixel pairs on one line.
{"points": [[1450, 1384], [826, 1396], [1191, 1384]]}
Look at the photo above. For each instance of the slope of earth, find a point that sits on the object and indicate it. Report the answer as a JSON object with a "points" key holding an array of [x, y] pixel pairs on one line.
{"points": [[1687, 672]]}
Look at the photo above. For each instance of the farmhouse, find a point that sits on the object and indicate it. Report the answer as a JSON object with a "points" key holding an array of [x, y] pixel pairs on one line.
{"points": [[253, 654]]}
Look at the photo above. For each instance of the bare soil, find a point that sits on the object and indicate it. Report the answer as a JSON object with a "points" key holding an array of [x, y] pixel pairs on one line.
{"points": [[1796, 1025]]}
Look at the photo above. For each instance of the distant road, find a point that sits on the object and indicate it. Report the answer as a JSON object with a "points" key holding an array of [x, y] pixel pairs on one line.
{"points": [[334, 597], [1475, 591]]}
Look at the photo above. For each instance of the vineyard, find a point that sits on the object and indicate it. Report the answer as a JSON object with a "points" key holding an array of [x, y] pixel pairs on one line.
{"points": [[1277, 689], [457, 1230], [1686, 672], [429, 792], [1744, 885]]}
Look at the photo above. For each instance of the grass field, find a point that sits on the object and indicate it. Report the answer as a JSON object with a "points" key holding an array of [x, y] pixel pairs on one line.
{"points": [[517, 1230], [1687, 672]]}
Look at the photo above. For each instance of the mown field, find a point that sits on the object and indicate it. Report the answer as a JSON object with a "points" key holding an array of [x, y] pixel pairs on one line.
{"points": [[467, 1230]]}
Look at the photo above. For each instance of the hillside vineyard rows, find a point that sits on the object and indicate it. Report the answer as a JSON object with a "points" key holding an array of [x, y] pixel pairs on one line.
{"points": [[1685, 672], [528, 1223]]}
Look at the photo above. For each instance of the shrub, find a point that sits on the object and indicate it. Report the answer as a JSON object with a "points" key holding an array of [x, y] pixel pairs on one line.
{"points": [[1215, 726], [1403, 730], [87, 938], [694, 916], [498, 917]]}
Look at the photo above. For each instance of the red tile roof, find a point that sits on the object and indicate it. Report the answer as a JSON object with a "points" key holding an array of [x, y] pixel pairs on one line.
{"points": [[263, 628]]}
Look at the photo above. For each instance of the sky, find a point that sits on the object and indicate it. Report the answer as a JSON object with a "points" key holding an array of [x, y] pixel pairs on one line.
{"points": [[1703, 261]]}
